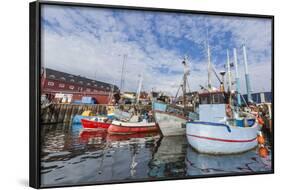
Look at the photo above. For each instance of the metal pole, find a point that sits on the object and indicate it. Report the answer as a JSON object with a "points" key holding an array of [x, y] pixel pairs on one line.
{"points": [[139, 90], [237, 77], [228, 70], [247, 77], [209, 66]]}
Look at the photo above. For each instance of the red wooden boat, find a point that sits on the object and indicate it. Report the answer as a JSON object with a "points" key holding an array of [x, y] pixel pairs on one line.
{"points": [[119, 127], [97, 123]]}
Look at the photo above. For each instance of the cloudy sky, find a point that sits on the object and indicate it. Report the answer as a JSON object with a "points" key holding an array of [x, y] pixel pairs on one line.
{"points": [[92, 41]]}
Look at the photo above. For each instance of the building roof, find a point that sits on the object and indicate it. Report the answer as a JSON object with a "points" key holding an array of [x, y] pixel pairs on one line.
{"points": [[78, 80]]}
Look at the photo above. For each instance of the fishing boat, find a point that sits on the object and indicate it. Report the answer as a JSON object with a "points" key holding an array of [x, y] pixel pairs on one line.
{"points": [[171, 118], [216, 132], [96, 123], [131, 126], [222, 128], [170, 123]]}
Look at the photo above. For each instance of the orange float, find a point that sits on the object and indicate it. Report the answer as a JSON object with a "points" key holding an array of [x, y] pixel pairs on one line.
{"points": [[260, 138], [263, 152]]}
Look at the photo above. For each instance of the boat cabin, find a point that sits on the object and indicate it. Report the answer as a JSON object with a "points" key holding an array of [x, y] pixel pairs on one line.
{"points": [[213, 98], [212, 106]]}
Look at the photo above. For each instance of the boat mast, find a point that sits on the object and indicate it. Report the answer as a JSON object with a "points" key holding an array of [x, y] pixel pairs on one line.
{"points": [[139, 89], [209, 63], [237, 77], [229, 77], [185, 82], [228, 71], [247, 77]]}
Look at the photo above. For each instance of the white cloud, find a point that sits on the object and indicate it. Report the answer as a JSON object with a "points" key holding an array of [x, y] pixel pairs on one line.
{"points": [[91, 42]]}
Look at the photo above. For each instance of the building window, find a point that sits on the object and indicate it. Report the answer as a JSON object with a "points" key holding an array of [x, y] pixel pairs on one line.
{"points": [[51, 83], [61, 85], [52, 76], [71, 87]]}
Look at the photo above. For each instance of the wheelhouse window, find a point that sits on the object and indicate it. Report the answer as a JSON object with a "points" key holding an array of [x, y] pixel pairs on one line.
{"points": [[205, 100], [212, 98]]}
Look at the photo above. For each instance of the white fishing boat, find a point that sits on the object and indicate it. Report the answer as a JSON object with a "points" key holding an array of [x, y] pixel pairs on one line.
{"points": [[215, 133], [222, 128], [219, 138]]}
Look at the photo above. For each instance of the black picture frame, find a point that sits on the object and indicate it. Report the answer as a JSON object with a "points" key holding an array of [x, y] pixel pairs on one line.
{"points": [[34, 88]]}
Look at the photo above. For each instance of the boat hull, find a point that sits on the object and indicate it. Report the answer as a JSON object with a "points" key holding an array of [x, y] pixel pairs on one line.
{"points": [[169, 124], [89, 124], [217, 138], [117, 127]]}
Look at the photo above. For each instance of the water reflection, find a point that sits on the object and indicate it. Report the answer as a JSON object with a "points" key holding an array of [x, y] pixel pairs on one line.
{"points": [[168, 160], [71, 155], [199, 164]]}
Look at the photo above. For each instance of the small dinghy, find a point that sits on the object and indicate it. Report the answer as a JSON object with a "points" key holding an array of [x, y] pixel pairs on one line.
{"points": [[132, 126]]}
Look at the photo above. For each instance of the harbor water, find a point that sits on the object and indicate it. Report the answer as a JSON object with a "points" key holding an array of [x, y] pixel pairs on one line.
{"points": [[73, 156]]}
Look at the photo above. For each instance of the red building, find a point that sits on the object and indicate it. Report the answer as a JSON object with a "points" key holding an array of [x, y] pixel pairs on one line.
{"points": [[54, 82]]}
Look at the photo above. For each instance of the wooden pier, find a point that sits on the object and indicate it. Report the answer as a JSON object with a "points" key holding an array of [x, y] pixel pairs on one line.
{"points": [[63, 113]]}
